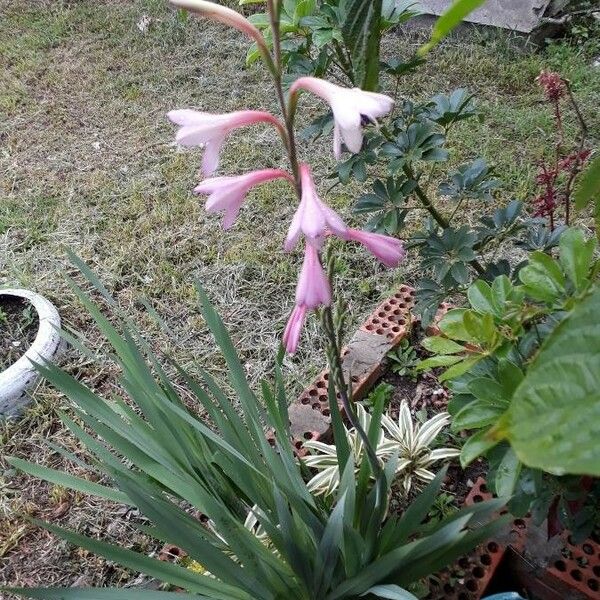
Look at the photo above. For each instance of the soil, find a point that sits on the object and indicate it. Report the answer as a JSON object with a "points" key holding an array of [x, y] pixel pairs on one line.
{"points": [[18, 328], [427, 394]]}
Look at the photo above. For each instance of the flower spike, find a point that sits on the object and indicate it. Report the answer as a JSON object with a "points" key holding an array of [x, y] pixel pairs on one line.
{"points": [[227, 16]]}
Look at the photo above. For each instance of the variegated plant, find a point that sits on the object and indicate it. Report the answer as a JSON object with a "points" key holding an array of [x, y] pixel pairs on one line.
{"points": [[325, 458], [410, 440]]}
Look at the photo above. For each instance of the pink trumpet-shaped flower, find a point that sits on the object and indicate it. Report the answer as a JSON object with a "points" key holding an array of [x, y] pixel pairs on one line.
{"points": [[349, 106], [228, 193], [293, 329], [313, 290], [388, 250], [313, 217], [210, 130], [313, 287]]}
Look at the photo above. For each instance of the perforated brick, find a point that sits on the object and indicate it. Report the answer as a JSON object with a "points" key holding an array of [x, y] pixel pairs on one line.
{"points": [[362, 361], [579, 566], [468, 578], [391, 318]]}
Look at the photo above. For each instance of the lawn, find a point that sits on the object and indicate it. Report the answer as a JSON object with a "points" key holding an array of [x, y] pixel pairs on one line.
{"points": [[87, 163]]}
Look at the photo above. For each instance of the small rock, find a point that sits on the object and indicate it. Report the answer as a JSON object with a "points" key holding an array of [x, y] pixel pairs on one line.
{"points": [[144, 23]]}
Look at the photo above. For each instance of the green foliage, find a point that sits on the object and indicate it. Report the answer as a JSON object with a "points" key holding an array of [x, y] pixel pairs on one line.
{"points": [[588, 189], [321, 35], [567, 501], [381, 393], [404, 360], [361, 32], [470, 181], [161, 457], [522, 363], [553, 422], [451, 255], [388, 202], [420, 141]]}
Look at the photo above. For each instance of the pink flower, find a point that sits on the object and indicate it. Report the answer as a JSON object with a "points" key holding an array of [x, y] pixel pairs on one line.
{"points": [[313, 290], [210, 130], [225, 15], [228, 193], [293, 329], [387, 249], [349, 107], [313, 287], [313, 216]]}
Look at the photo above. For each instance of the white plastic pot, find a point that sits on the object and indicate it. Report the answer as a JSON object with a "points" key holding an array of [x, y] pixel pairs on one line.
{"points": [[20, 376]]}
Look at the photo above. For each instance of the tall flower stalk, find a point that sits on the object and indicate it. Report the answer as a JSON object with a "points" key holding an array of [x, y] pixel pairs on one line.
{"points": [[288, 109], [313, 220]]}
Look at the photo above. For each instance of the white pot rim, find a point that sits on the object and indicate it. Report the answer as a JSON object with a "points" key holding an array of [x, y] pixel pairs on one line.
{"points": [[21, 375]]}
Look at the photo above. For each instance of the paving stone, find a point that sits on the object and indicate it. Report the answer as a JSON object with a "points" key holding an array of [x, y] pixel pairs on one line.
{"points": [[518, 15]]}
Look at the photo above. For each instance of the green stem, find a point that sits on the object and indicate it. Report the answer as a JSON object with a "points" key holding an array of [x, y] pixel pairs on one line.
{"points": [[425, 201], [337, 373], [286, 111], [335, 363], [439, 218]]}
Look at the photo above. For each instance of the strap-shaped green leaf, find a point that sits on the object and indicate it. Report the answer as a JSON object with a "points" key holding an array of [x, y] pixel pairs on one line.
{"points": [[99, 594], [162, 570], [449, 20], [362, 35], [68, 481]]}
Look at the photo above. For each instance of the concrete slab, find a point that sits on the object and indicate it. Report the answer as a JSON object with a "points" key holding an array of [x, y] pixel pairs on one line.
{"points": [[518, 15]]}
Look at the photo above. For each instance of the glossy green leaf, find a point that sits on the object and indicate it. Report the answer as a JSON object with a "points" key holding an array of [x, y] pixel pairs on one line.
{"points": [[542, 277], [441, 345], [459, 368], [478, 444], [576, 256], [475, 415], [502, 290], [481, 297], [438, 361], [554, 418], [509, 376], [480, 327], [507, 473], [488, 390], [452, 325], [588, 184]]}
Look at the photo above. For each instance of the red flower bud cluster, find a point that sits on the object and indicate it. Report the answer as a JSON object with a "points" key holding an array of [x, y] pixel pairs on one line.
{"points": [[552, 84], [574, 161]]}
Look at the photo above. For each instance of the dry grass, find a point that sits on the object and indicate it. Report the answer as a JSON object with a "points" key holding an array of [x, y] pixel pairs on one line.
{"points": [[87, 163]]}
